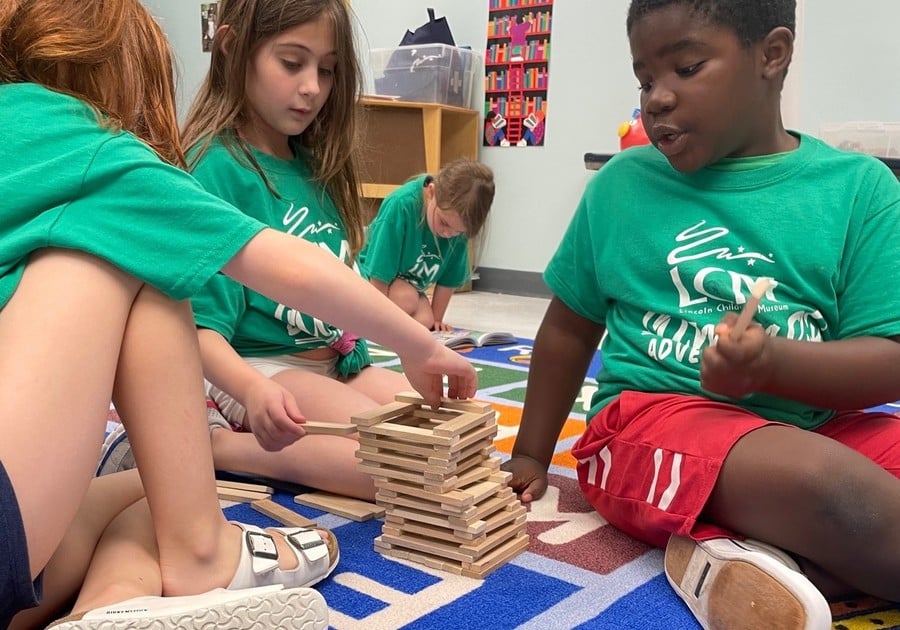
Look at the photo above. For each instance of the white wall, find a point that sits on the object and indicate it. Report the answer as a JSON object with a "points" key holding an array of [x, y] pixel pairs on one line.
{"points": [[850, 62], [847, 67], [181, 21]]}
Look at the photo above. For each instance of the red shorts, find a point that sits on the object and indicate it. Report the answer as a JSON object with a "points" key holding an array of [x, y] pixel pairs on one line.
{"points": [[648, 462]]}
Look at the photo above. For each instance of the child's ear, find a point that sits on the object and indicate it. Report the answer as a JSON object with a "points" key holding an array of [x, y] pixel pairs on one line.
{"points": [[778, 48], [224, 39]]}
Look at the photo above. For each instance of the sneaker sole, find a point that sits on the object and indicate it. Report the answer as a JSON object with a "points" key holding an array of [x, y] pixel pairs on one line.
{"points": [[728, 593], [293, 609]]}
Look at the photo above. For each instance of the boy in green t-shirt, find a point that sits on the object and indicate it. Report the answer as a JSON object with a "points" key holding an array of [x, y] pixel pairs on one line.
{"points": [[702, 438]]}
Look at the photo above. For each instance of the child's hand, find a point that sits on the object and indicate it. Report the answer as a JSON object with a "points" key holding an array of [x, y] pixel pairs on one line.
{"points": [[529, 478], [273, 415], [736, 367], [427, 377], [442, 327]]}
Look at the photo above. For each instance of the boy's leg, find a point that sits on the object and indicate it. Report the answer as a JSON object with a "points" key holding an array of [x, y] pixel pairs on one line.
{"points": [[656, 465], [818, 499], [60, 333]]}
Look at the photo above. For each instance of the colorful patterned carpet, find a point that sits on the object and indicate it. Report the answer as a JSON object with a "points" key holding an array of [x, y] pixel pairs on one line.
{"points": [[578, 572]]}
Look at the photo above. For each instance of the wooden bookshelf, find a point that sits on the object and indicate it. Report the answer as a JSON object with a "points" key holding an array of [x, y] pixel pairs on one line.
{"points": [[402, 139]]}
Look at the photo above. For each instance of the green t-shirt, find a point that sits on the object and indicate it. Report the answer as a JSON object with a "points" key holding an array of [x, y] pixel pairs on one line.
{"points": [[659, 257], [68, 182], [253, 324], [401, 245]]}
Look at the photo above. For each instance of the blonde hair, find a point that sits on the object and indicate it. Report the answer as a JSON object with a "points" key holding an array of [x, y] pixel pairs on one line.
{"points": [[111, 54], [466, 187], [331, 140]]}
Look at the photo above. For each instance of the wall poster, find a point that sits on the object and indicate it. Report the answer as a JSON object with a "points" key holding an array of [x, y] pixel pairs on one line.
{"points": [[516, 76]]}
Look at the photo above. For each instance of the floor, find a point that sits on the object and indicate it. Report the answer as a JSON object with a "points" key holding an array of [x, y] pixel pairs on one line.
{"points": [[497, 312]]}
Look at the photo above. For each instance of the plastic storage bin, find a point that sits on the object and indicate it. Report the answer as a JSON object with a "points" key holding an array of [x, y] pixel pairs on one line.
{"points": [[432, 73], [875, 138]]}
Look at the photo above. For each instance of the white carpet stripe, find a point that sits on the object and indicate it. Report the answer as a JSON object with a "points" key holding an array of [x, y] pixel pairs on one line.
{"points": [[598, 592], [572, 525], [402, 608]]}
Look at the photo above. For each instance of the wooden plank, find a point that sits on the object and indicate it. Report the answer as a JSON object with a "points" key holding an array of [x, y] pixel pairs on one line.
{"points": [[485, 434], [380, 414], [481, 548], [486, 509], [328, 428], [411, 434], [282, 514], [370, 444], [397, 461], [464, 423], [478, 569], [240, 485], [468, 404], [423, 529], [241, 496], [354, 509], [390, 502], [420, 543], [473, 526], [456, 497], [386, 472], [497, 558], [435, 415], [479, 473]]}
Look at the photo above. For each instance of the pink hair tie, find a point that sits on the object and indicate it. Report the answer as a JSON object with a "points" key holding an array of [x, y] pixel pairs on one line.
{"points": [[345, 344]]}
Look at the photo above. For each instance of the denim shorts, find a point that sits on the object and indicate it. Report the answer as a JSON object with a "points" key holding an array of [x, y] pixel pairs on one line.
{"points": [[17, 591]]}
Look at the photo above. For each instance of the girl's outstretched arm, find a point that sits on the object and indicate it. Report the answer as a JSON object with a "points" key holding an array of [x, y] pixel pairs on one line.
{"points": [[299, 274]]}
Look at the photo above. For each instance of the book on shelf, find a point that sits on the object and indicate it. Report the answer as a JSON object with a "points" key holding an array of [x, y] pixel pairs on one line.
{"points": [[462, 338]]}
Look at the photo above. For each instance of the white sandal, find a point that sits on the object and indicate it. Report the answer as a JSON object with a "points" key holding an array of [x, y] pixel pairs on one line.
{"points": [[258, 566], [268, 606]]}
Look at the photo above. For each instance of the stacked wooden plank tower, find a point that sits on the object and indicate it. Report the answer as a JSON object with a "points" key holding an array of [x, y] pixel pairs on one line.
{"points": [[447, 503]]}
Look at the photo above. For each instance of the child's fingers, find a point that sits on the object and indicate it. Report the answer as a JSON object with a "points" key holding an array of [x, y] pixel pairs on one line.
{"points": [[292, 409]]}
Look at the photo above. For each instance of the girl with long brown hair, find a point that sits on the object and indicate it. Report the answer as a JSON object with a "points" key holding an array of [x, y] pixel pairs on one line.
{"points": [[272, 131]]}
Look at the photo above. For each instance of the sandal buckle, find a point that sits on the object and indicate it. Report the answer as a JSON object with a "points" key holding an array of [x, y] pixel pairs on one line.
{"points": [[261, 545]]}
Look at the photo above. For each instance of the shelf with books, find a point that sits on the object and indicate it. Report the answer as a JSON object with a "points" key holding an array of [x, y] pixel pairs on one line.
{"points": [[512, 5], [516, 70]]}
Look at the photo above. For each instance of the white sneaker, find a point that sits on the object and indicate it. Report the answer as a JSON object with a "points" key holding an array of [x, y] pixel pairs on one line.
{"points": [[264, 607], [115, 454], [743, 585]]}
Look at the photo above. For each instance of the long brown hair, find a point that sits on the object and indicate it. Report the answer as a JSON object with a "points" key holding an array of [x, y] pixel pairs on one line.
{"points": [[221, 104], [110, 54], [467, 188]]}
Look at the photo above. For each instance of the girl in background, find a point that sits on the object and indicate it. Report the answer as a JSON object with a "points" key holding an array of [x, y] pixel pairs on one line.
{"points": [[420, 238], [273, 131]]}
